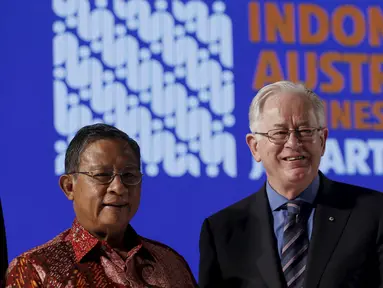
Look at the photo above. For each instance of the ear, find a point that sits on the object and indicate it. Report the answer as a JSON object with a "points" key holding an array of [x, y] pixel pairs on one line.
{"points": [[252, 142], [66, 185], [323, 138]]}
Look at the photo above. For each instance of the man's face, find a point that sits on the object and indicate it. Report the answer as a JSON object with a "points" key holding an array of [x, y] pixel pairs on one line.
{"points": [[106, 208], [288, 111]]}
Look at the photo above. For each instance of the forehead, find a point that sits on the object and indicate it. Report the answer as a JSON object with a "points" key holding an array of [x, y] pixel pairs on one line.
{"points": [[108, 152], [287, 108]]}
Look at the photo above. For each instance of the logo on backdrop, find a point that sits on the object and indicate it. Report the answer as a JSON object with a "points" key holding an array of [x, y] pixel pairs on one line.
{"points": [[160, 71]]}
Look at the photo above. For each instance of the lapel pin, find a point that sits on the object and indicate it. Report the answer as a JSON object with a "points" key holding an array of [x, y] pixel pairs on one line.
{"points": [[331, 219]]}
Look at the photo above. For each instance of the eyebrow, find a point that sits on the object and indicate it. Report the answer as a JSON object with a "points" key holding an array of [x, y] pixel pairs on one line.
{"points": [[280, 125], [99, 167]]}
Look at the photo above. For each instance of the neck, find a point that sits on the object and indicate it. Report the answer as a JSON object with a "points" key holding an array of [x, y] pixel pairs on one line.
{"points": [[115, 235], [115, 240], [291, 190]]}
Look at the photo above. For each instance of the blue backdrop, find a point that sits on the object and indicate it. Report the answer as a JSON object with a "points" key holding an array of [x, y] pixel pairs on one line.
{"points": [[178, 76]]}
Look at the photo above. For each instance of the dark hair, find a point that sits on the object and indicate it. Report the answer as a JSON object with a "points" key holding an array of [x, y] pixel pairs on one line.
{"points": [[89, 134]]}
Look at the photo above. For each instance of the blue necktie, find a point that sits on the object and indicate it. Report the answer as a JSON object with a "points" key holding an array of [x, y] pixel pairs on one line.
{"points": [[295, 244]]}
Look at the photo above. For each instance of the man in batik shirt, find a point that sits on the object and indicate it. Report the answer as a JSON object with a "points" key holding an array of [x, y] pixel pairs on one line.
{"points": [[103, 180]]}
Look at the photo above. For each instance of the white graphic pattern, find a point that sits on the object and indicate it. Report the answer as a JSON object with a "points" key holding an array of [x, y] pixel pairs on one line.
{"points": [[160, 71]]}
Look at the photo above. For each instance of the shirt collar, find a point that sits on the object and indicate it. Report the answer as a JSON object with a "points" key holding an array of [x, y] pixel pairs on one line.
{"points": [[308, 195], [83, 242]]}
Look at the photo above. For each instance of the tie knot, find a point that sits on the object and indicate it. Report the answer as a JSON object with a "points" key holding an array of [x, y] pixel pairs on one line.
{"points": [[295, 206]]}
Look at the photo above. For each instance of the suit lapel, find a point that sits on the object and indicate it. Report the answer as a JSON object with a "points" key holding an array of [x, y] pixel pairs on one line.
{"points": [[331, 215], [263, 241]]}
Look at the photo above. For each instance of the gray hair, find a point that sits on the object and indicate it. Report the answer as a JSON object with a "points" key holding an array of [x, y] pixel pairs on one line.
{"points": [[256, 106]]}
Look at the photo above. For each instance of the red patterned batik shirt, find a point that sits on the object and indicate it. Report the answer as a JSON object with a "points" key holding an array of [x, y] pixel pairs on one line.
{"points": [[76, 259]]}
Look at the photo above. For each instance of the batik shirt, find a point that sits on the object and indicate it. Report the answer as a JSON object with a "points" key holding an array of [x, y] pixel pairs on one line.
{"points": [[76, 259]]}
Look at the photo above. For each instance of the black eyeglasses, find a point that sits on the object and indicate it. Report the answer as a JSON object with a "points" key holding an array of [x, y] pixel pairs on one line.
{"points": [[127, 178], [280, 136]]}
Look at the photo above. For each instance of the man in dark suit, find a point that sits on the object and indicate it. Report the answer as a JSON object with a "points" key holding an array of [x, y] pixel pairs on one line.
{"points": [[300, 229], [3, 248]]}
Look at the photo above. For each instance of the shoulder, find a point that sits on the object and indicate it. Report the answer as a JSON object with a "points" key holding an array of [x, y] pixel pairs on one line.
{"points": [[364, 202], [47, 254], [49, 249], [354, 192], [35, 263], [235, 212]]}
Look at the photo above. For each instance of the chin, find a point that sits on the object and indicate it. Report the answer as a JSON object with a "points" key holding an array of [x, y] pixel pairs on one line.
{"points": [[299, 176], [114, 223]]}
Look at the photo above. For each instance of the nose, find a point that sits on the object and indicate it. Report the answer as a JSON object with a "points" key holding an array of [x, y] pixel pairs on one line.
{"points": [[117, 186], [293, 140]]}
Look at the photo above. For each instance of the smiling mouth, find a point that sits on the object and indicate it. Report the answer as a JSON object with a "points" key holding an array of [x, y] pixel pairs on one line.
{"points": [[115, 205], [294, 158]]}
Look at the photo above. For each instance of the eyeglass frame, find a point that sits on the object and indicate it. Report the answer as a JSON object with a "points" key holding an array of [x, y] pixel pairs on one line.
{"points": [[289, 131], [90, 174]]}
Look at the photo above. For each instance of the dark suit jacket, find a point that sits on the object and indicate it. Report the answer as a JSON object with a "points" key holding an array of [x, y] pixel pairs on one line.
{"points": [[238, 247], [3, 248]]}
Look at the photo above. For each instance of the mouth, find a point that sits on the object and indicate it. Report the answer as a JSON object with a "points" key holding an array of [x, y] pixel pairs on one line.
{"points": [[296, 158], [116, 205]]}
